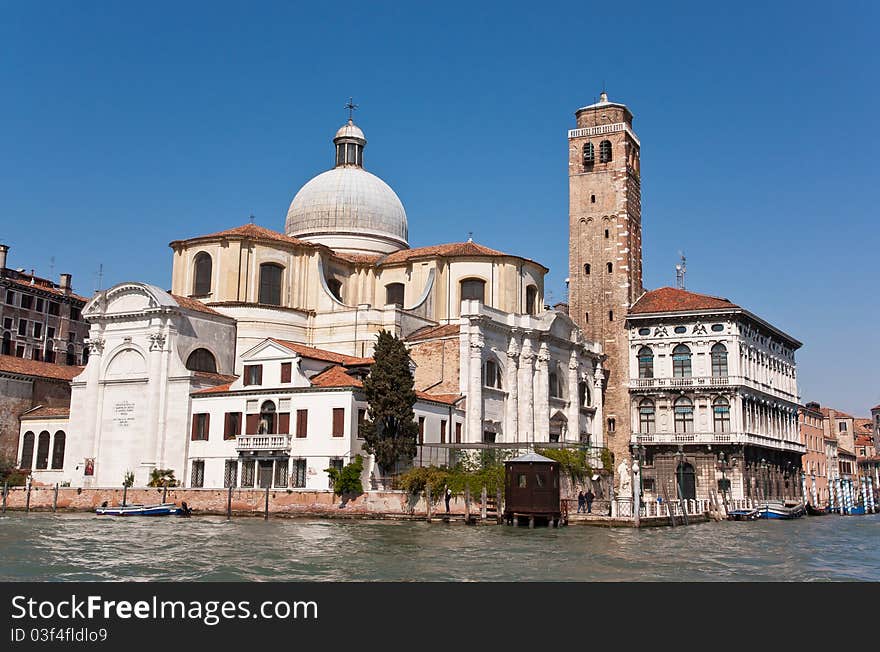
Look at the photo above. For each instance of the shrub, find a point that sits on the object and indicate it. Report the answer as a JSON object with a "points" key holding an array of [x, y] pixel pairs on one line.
{"points": [[347, 480]]}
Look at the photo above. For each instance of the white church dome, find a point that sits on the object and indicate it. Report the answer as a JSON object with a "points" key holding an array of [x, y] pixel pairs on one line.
{"points": [[347, 208]]}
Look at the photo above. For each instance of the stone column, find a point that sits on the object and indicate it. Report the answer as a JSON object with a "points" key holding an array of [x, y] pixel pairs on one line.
{"points": [[596, 429], [475, 389], [574, 399], [526, 394], [511, 428], [542, 394], [91, 422]]}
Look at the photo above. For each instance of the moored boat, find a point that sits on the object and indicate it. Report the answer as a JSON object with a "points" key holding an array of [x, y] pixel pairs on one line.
{"points": [[742, 515], [780, 510], [164, 509], [815, 511]]}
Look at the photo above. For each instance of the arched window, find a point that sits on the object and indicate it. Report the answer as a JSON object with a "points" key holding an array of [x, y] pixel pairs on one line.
{"points": [[50, 352], [610, 267], [267, 418], [646, 362], [71, 355], [646, 416], [270, 284], [681, 361], [394, 293], [27, 451], [684, 414], [473, 288], [43, 451], [589, 155], [202, 360], [719, 360], [555, 390], [586, 269], [584, 394], [335, 287], [492, 374], [58, 450], [7, 343], [202, 268], [531, 299], [605, 151], [721, 414], [85, 355]]}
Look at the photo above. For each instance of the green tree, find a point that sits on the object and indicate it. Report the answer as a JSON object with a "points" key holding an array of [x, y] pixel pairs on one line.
{"points": [[347, 480], [162, 478], [10, 473], [390, 429], [128, 479]]}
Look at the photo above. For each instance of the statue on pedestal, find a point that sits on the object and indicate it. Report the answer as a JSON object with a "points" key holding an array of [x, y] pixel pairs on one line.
{"points": [[625, 486]]}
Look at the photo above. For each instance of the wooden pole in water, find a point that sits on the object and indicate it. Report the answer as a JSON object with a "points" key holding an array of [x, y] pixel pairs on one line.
{"points": [[27, 504], [55, 499], [483, 498], [498, 513], [467, 503], [229, 504], [124, 494], [266, 511], [5, 492], [428, 503], [164, 492]]}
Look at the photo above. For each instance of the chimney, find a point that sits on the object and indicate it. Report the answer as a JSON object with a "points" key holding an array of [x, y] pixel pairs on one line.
{"points": [[4, 249], [65, 283]]}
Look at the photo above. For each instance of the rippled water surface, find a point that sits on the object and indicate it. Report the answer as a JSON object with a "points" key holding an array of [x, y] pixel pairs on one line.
{"points": [[44, 547]]}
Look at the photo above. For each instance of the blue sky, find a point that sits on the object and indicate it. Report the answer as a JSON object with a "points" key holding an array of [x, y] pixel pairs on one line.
{"points": [[128, 125]]}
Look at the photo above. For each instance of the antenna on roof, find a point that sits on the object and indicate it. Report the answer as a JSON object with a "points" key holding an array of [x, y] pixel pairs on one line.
{"points": [[100, 276], [51, 266], [680, 271], [251, 218], [470, 236]]}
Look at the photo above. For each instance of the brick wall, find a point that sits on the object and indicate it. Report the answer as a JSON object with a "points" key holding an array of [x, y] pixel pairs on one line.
{"points": [[437, 360]]}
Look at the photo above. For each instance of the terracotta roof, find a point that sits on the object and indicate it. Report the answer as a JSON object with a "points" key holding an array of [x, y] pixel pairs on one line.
{"points": [[214, 390], [214, 377], [321, 354], [194, 304], [433, 332], [43, 412], [826, 412], [439, 398], [446, 250], [335, 376], [358, 259], [864, 440], [843, 451], [674, 300], [252, 232], [44, 285], [864, 424], [13, 365]]}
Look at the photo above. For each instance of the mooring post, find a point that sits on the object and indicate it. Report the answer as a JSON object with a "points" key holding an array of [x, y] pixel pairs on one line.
{"points": [[266, 511], [124, 493], [531, 522], [164, 493], [483, 498], [428, 503], [498, 512], [5, 492], [467, 503], [228, 504], [27, 502], [55, 499]]}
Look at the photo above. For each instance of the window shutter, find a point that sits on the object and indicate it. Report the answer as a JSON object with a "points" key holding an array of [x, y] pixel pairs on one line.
{"points": [[443, 432], [286, 371], [458, 433], [207, 426], [227, 425], [284, 423], [302, 418], [237, 424], [338, 422], [195, 427], [253, 424], [259, 374]]}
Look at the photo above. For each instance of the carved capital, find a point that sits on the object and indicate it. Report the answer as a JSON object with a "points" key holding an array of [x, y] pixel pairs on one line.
{"points": [[512, 350], [543, 354], [96, 345], [157, 341]]}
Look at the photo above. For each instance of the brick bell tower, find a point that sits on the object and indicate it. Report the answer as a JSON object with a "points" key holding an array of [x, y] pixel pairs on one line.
{"points": [[605, 248]]}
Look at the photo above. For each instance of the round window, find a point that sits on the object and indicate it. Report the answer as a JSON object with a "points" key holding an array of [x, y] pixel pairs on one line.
{"points": [[717, 327], [680, 329], [644, 331]]}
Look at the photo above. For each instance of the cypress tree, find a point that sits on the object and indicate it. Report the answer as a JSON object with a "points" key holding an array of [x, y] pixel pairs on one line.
{"points": [[390, 429]]}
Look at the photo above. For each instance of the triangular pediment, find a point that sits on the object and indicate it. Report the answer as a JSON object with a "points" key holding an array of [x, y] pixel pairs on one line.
{"points": [[268, 350]]}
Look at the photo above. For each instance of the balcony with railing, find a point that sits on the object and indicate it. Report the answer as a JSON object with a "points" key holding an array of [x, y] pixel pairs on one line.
{"points": [[262, 443], [707, 382], [716, 438]]}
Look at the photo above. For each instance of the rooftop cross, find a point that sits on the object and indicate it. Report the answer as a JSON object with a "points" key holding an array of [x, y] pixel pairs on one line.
{"points": [[352, 107]]}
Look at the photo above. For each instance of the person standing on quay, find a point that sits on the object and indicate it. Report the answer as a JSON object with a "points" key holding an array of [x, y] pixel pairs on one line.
{"points": [[448, 497], [580, 501], [588, 498]]}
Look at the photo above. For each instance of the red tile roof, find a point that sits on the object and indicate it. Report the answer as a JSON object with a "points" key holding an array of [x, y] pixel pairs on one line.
{"points": [[449, 399], [826, 412], [13, 365], [43, 412], [335, 376], [674, 300], [214, 377], [250, 232], [194, 304], [462, 249], [321, 354], [44, 285], [214, 390], [433, 332], [358, 259]]}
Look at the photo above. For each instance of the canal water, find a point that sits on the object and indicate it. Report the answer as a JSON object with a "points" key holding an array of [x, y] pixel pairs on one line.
{"points": [[45, 547]]}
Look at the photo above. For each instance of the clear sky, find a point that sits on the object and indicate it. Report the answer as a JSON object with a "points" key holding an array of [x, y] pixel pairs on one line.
{"points": [[128, 125]]}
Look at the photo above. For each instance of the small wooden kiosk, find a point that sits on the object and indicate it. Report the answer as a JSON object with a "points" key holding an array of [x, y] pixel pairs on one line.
{"points": [[532, 490]]}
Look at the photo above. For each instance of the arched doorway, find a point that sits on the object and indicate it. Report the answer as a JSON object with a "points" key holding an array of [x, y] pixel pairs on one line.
{"points": [[687, 480]]}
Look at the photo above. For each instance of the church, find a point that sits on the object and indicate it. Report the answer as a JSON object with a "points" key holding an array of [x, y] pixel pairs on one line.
{"points": [[248, 372]]}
